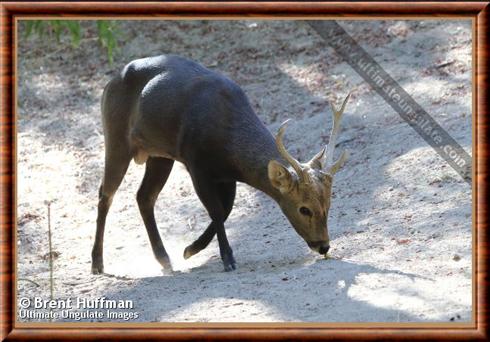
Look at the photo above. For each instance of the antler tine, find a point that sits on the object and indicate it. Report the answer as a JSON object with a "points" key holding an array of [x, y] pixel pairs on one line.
{"points": [[282, 150], [316, 161], [337, 116]]}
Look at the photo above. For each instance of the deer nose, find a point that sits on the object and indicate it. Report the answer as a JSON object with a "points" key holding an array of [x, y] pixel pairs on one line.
{"points": [[323, 249]]}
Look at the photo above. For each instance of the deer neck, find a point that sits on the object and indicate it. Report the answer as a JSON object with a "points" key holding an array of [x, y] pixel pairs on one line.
{"points": [[254, 165]]}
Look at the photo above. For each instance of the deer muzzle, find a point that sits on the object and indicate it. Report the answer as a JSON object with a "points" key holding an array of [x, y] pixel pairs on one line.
{"points": [[321, 247]]}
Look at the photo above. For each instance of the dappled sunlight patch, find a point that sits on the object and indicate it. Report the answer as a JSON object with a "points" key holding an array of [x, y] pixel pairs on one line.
{"points": [[314, 71], [422, 88], [136, 265], [406, 295], [413, 161], [424, 163], [52, 174], [176, 250], [51, 81]]}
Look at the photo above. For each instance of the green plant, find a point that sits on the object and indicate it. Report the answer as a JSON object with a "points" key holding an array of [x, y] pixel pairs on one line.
{"points": [[107, 36], [106, 29]]}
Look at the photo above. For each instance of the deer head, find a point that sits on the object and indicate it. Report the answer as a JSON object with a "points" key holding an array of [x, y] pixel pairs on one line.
{"points": [[306, 188]]}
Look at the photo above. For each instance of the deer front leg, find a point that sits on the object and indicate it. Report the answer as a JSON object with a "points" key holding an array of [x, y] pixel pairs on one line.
{"points": [[209, 194], [225, 250]]}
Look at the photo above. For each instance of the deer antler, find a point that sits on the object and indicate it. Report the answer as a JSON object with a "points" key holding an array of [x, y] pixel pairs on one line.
{"points": [[337, 117], [282, 150]]}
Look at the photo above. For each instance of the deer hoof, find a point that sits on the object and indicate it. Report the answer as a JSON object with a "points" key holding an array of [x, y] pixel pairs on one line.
{"points": [[165, 262], [230, 267], [229, 263], [188, 252], [97, 268]]}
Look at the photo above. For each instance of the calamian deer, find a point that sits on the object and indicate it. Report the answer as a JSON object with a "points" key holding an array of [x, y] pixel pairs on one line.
{"points": [[158, 110]]}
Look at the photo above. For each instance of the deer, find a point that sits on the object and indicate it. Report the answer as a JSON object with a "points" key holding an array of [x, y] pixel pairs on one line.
{"points": [[168, 108]]}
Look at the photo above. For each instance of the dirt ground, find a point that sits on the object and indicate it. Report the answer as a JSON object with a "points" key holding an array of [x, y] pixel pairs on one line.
{"points": [[400, 223]]}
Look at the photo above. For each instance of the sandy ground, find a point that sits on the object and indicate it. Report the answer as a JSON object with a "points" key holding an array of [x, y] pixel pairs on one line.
{"points": [[400, 221]]}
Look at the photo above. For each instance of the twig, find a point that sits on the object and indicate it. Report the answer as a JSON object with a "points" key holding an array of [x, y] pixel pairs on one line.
{"points": [[51, 281], [442, 65]]}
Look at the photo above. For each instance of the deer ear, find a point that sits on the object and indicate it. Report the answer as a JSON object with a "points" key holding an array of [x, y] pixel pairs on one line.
{"points": [[280, 176]]}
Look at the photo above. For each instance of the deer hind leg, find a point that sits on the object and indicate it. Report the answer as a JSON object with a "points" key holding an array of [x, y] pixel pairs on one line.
{"points": [[208, 193], [156, 175], [116, 165], [226, 193]]}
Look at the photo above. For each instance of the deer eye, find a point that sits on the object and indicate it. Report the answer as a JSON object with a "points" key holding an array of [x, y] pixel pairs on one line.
{"points": [[305, 211]]}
